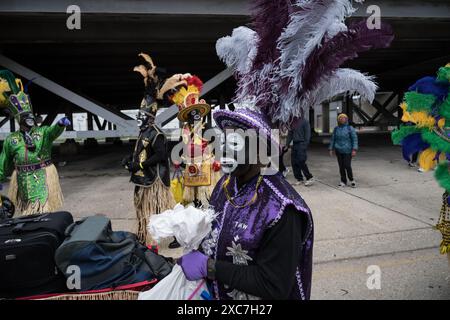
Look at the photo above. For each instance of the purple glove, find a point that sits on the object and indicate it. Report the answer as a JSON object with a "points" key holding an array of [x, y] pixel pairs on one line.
{"points": [[64, 122], [194, 265]]}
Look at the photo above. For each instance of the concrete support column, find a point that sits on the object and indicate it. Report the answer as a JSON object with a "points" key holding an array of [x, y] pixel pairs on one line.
{"points": [[90, 143], [326, 117], [312, 119], [69, 148], [348, 100], [115, 141]]}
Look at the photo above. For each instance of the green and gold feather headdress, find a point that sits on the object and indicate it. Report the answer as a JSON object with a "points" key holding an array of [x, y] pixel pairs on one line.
{"points": [[12, 96]]}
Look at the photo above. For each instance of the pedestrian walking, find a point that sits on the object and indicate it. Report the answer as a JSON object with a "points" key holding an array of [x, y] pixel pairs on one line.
{"points": [[300, 136], [344, 143]]}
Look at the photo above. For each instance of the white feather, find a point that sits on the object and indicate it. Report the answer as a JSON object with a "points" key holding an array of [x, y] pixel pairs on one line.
{"points": [[344, 80], [238, 50], [305, 32], [252, 84]]}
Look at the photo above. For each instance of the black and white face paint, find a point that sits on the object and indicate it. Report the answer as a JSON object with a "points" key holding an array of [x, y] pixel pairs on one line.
{"points": [[232, 144], [27, 121], [142, 119]]}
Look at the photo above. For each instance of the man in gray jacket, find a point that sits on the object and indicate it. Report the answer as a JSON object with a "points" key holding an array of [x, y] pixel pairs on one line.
{"points": [[300, 135]]}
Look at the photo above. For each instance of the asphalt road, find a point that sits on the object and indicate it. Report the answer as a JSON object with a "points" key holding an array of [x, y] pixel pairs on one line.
{"points": [[381, 232]]}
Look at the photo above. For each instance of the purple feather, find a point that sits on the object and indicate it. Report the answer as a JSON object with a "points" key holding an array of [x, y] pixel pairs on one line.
{"points": [[345, 46], [269, 18], [412, 144]]}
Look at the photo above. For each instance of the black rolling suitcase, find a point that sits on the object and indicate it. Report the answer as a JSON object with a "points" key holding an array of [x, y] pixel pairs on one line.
{"points": [[27, 254]]}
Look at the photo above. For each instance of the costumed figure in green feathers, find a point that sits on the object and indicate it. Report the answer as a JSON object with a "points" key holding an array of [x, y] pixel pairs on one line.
{"points": [[26, 154], [426, 129]]}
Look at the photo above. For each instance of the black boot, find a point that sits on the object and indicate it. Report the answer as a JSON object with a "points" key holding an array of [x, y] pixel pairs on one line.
{"points": [[174, 244]]}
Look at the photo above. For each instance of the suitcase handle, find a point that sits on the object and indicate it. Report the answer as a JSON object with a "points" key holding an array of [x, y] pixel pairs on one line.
{"points": [[20, 222], [70, 228]]}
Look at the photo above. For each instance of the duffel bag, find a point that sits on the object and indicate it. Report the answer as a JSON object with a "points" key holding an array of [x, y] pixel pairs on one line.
{"points": [[27, 254], [102, 258]]}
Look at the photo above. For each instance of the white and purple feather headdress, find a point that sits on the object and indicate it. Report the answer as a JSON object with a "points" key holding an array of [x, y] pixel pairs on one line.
{"points": [[290, 59]]}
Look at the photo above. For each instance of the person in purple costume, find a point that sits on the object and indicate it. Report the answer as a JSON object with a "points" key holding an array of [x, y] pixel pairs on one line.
{"points": [[261, 242]]}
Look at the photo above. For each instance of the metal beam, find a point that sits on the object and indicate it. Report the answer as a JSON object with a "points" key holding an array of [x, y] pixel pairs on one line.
{"points": [[4, 121], [195, 7], [389, 8], [127, 126], [363, 115], [382, 109], [170, 113]]}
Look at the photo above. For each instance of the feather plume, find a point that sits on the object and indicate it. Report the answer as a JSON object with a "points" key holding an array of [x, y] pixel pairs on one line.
{"points": [[429, 85], [401, 133], [343, 47], [305, 31], [238, 50], [436, 142], [412, 144], [342, 80], [422, 119], [296, 45], [444, 109], [345, 79], [269, 18], [427, 159], [442, 175]]}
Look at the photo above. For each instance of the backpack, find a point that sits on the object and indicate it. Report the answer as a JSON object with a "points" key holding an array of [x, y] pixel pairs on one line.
{"points": [[107, 259]]}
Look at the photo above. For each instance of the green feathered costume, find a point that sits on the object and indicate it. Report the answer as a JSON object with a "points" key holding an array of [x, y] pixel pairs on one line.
{"points": [[426, 130]]}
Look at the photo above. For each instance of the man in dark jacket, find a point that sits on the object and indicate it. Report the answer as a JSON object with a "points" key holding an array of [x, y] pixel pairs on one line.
{"points": [[300, 135]]}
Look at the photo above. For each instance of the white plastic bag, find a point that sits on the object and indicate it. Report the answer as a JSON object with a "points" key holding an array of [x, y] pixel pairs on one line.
{"points": [[175, 287], [189, 226]]}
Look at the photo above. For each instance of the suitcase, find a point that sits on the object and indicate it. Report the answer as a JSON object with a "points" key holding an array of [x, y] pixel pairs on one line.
{"points": [[108, 259], [27, 254]]}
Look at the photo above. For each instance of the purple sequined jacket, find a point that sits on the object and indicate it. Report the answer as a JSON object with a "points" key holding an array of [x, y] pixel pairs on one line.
{"points": [[237, 232]]}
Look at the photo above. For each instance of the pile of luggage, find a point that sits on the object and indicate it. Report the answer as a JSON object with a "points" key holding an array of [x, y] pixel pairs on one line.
{"points": [[49, 256]]}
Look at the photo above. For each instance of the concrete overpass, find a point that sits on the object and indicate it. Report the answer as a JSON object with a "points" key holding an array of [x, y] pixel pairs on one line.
{"points": [[95, 63]]}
